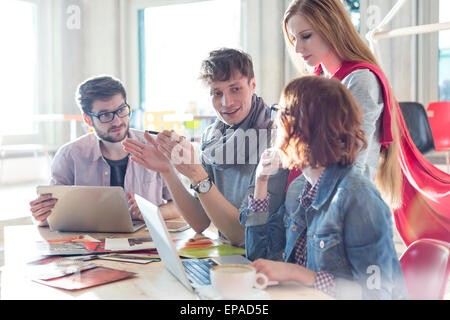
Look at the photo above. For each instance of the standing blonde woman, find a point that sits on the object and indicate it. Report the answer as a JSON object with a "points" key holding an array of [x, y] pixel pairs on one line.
{"points": [[323, 36]]}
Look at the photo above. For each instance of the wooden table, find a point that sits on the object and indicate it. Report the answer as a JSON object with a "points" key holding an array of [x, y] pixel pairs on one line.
{"points": [[153, 281]]}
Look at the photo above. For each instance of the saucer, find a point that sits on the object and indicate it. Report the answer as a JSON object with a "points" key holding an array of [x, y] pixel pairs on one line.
{"points": [[209, 293]]}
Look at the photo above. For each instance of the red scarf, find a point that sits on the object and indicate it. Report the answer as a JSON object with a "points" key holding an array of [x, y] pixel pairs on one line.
{"points": [[425, 212]]}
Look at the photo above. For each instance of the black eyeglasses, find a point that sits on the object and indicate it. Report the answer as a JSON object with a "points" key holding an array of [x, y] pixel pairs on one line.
{"points": [[106, 117], [275, 108], [273, 111]]}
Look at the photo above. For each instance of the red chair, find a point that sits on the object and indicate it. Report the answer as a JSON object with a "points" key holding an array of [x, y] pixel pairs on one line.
{"points": [[426, 268], [439, 118]]}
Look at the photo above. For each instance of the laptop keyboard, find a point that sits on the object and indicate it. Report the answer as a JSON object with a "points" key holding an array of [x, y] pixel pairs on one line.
{"points": [[198, 270], [136, 223]]}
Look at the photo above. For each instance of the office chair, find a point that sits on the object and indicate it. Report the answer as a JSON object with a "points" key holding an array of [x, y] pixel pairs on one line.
{"points": [[426, 267], [418, 126], [439, 118]]}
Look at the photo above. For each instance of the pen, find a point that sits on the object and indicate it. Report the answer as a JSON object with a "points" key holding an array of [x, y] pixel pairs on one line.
{"points": [[156, 132], [84, 258]]}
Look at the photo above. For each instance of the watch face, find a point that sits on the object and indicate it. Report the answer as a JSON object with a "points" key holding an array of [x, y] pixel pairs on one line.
{"points": [[204, 186]]}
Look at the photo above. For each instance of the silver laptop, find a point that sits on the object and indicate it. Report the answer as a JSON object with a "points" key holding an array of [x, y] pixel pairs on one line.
{"points": [[90, 209], [190, 272]]}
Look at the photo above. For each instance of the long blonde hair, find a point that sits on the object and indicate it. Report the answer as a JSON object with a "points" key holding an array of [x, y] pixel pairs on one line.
{"points": [[330, 19]]}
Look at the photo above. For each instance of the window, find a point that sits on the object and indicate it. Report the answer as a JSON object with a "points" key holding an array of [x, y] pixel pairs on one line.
{"points": [[444, 52], [173, 41], [353, 8], [18, 62]]}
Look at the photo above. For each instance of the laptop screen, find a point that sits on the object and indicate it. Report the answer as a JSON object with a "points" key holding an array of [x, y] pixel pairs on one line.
{"points": [[161, 238]]}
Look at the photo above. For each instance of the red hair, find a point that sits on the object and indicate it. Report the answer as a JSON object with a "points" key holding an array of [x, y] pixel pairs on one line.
{"points": [[320, 123]]}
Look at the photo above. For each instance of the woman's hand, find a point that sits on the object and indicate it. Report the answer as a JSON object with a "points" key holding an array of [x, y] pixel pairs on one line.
{"points": [[274, 270], [268, 164], [284, 271]]}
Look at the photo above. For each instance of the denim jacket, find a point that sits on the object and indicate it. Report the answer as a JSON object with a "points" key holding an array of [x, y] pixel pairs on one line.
{"points": [[349, 234]]}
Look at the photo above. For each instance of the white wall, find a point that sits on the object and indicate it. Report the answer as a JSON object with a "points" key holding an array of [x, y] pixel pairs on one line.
{"points": [[410, 62], [264, 42]]}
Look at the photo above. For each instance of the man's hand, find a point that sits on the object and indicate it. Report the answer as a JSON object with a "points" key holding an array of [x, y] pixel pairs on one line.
{"points": [[182, 154], [41, 208], [133, 208], [147, 155]]}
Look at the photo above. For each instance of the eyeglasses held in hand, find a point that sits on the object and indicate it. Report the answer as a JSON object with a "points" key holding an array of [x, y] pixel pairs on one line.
{"points": [[106, 117]]}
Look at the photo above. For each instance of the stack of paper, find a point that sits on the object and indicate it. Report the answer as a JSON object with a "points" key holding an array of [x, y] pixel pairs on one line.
{"points": [[203, 247]]}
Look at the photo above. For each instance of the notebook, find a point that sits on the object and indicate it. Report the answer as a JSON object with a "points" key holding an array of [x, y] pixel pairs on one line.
{"points": [[192, 273], [90, 209]]}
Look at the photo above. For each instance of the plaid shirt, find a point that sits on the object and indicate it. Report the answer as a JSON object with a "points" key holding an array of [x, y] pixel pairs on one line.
{"points": [[324, 281]]}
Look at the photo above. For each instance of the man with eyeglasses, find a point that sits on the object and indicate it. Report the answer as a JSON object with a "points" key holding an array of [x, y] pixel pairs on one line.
{"points": [[98, 158]]}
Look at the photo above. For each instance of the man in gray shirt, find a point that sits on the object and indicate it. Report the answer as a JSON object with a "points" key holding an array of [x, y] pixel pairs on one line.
{"points": [[231, 149]]}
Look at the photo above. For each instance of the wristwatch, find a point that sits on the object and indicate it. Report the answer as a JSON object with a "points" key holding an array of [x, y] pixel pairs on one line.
{"points": [[203, 186]]}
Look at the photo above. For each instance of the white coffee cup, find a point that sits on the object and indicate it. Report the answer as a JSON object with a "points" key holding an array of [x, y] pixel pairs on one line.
{"points": [[234, 281]]}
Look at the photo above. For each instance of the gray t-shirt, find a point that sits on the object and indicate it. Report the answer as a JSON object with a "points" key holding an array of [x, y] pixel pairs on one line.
{"points": [[367, 91]]}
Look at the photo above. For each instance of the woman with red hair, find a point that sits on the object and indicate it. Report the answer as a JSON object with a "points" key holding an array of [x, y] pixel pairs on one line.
{"points": [[334, 230]]}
